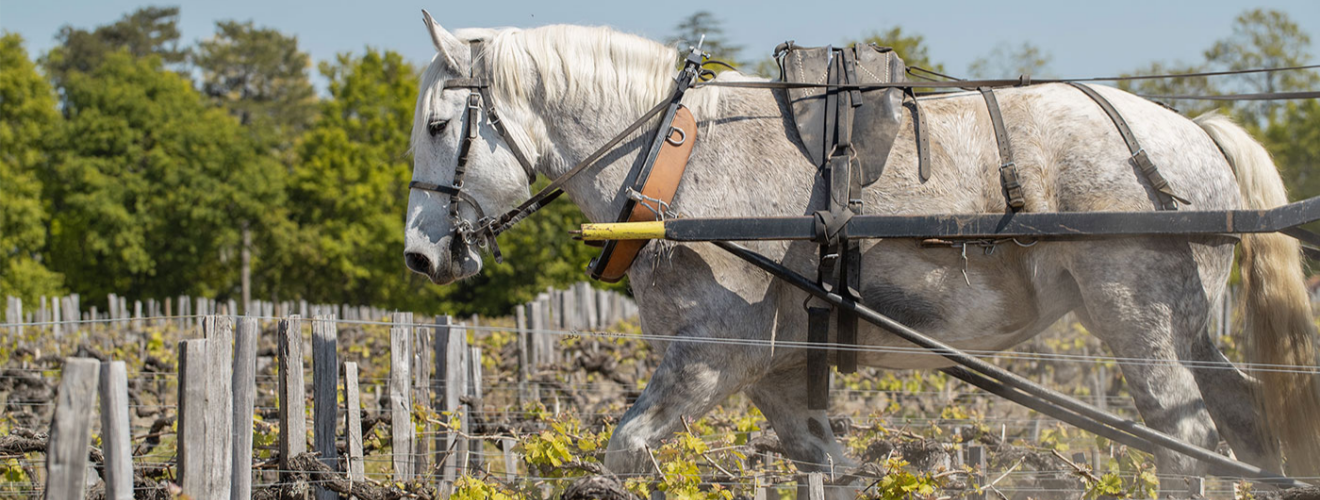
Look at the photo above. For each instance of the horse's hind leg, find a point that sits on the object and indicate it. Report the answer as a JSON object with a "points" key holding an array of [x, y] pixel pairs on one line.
{"points": [[1146, 301], [1230, 397], [804, 434]]}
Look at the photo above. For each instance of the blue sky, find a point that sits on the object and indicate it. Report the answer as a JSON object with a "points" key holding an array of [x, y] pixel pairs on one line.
{"points": [[1085, 38]]}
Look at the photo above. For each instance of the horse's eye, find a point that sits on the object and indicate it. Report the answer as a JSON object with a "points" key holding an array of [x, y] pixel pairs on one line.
{"points": [[436, 127]]}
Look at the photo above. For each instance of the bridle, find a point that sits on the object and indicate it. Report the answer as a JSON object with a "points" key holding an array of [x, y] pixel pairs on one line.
{"points": [[485, 230], [463, 229]]}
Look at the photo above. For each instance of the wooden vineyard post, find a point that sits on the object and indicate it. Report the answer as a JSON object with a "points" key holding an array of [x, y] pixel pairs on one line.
{"points": [[439, 345], [421, 386], [293, 404], [55, 328], [325, 386], [816, 486], [510, 462], [534, 347], [976, 459], [116, 444], [474, 391], [219, 413], [569, 313], [71, 429], [353, 423], [450, 351], [192, 417], [520, 342], [401, 427], [1196, 487], [244, 384]]}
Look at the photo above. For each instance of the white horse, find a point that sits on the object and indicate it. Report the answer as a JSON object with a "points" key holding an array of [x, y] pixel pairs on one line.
{"points": [[563, 90]]}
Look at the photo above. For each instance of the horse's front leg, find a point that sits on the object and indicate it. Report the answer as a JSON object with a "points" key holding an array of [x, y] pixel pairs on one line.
{"points": [[692, 379], [804, 434]]}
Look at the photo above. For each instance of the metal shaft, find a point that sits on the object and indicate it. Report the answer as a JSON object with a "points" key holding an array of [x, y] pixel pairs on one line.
{"points": [[1219, 463]]}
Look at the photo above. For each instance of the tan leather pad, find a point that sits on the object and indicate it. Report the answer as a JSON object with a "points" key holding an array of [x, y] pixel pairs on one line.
{"points": [[666, 174]]}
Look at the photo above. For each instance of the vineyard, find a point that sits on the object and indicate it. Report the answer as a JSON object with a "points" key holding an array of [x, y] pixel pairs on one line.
{"points": [[528, 415]]}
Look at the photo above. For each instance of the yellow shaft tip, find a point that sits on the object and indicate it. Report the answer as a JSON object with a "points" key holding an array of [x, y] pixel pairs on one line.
{"points": [[654, 230]]}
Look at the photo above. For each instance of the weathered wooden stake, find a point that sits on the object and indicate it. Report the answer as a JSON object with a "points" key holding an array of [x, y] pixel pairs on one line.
{"points": [[520, 336], [116, 444], [292, 396], [193, 388], [421, 386], [454, 352], [474, 391], [816, 486], [325, 384], [353, 423], [510, 462], [401, 427], [219, 333], [244, 384], [976, 459], [440, 345], [71, 429]]}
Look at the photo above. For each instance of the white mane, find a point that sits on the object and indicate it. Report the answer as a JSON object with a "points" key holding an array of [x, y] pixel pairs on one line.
{"points": [[581, 68]]}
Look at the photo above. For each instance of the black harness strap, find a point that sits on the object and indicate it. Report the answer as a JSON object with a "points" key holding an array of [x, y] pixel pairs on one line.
{"points": [[1008, 173], [1168, 199], [922, 134]]}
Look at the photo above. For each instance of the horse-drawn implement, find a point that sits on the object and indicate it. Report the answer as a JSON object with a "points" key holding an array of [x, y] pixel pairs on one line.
{"points": [[1165, 213]]}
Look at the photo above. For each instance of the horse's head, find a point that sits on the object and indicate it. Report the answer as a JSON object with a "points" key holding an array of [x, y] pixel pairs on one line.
{"points": [[465, 166]]}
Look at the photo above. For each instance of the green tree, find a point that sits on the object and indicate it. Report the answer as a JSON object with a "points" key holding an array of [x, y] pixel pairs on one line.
{"points": [[1264, 39], [1005, 61], [152, 184], [909, 46], [29, 123], [260, 76], [703, 23], [1199, 85], [1294, 140], [348, 190], [146, 31]]}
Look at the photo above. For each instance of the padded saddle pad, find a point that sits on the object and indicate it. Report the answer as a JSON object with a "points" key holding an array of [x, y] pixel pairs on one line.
{"points": [[875, 122]]}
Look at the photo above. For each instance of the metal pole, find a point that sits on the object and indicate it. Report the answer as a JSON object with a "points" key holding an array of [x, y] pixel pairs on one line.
{"points": [[1217, 462]]}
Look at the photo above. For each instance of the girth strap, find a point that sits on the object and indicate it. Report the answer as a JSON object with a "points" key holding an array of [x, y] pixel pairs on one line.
{"points": [[1008, 173], [922, 134], [1168, 198]]}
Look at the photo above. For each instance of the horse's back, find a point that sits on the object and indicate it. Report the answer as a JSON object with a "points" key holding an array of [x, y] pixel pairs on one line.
{"points": [[1069, 155]]}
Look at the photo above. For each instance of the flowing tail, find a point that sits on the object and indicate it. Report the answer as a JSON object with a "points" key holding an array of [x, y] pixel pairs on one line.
{"points": [[1280, 327]]}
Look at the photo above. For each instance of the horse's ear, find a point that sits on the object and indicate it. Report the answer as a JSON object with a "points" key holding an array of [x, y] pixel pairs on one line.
{"points": [[446, 43]]}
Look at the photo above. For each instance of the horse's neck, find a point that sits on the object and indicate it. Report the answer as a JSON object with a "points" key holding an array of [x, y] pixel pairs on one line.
{"points": [[743, 163]]}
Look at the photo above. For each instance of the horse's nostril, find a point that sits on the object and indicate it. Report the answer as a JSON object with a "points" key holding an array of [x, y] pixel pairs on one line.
{"points": [[418, 263]]}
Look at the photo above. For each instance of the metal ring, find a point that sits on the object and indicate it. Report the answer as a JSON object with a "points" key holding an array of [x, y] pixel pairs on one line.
{"points": [[682, 136], [458, 184]]}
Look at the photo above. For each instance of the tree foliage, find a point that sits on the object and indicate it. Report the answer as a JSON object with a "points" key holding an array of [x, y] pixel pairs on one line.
{"points": [[348, 193], [145, 32], [29, 127], [703, 23], [1006, 61], [260, 76], [1196, 86], [909, 46], [152, 183], [1264, 39]]}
